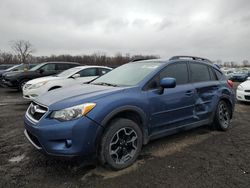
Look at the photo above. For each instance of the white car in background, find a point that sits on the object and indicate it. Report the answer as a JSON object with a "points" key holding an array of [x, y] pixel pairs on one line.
{"points": [[70, 77], [243, 91]]}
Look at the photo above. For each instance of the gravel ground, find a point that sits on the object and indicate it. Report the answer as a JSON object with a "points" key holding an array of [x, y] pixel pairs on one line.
{"points": [[197, 158]]}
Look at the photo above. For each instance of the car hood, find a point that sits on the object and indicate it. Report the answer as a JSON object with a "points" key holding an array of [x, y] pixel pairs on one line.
{"points": [[246, 85], [75, 95], [42, 79]]}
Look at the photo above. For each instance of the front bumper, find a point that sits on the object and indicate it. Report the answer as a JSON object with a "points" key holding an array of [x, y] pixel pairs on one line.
{"points": [[72, 138], [9, 84], [31, 94], [242, 95]]}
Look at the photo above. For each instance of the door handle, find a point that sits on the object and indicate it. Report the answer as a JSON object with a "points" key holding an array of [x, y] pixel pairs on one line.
{"points": [[189, 93]]}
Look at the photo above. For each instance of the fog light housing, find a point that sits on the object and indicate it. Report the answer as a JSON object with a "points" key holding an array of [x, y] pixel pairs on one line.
{"points": [[68, 143]]}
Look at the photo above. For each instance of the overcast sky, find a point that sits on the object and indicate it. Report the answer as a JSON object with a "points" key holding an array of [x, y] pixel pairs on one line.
{"points": [[217, 29]]}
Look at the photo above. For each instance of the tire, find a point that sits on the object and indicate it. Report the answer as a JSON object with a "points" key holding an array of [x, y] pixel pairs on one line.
{"points": [[21, 84], [222, 119], [121, 144]]}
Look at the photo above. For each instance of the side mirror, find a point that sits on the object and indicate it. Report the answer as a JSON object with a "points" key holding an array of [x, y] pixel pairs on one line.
{"points": [[248, 78], [167, 82], [41, 71], [76, 76]]}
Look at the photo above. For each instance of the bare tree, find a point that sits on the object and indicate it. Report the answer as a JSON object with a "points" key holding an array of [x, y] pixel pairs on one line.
{"points": [[23, 49]]}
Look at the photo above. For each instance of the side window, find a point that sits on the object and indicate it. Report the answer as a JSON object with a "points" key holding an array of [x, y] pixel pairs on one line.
{"points": [[88, 72], [49, 67], [220, 75], [212, 74], [62, 67], [199, 72], [72, 65], [103, 71], [179, 71]]}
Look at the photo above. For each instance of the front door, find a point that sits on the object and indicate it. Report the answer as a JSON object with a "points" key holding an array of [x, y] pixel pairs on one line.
{"points": [[175, 106]]}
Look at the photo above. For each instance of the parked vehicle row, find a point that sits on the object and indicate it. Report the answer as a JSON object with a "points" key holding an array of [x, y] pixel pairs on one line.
{"points": [[20, 67], [237, 75], [17, 79], [114, 115], [77, 75]]}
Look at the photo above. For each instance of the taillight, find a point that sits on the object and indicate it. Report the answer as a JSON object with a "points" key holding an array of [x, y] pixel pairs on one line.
{"points": [[230, 83]]}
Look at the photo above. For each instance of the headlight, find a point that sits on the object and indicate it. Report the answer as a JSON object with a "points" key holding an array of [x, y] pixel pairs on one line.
{"points": [[73, 112], [240, 88], [38, 85]]}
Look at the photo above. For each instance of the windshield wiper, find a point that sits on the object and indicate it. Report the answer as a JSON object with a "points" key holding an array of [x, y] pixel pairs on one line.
{"points": [[105, 84]]}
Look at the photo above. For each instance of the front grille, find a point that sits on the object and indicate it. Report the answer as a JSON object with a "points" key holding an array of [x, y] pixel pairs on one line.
{"points": [[36, 111], [247, 97], [248, 91], [34, 139]]}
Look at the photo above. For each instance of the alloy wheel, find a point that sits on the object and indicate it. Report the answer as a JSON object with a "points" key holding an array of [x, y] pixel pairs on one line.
{"points": [[123, 145]]}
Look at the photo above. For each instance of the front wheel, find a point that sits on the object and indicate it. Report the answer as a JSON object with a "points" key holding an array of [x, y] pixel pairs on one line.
{"points": [[21, 84], [120, 144], [222, 118]]}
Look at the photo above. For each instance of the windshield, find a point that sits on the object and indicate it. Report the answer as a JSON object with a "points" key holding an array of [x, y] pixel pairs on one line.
{"points": [[69, 72], [129, 74], [37, 67], [13, 67]]}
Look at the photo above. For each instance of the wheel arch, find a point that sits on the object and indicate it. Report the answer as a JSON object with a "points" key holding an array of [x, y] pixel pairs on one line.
{"points": [[133, 113], [230, 103]]}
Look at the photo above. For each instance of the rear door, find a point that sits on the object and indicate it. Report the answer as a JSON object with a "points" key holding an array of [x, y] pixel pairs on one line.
{"points": [[206, 85], [175, 106]]}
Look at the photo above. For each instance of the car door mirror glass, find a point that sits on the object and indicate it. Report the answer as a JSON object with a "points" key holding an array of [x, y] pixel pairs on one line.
{"points": [[76, 76], [168, 82], [41, 71]]}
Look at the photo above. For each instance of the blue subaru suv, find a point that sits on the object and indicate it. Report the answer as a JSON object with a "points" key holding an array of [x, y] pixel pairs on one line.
{"points": [[115, 115]]}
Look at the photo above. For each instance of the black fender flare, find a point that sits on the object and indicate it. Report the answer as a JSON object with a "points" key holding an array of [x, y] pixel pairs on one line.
{"points": [[135, 109]]}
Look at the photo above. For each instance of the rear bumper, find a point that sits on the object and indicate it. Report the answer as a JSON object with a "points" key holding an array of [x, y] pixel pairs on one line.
{"points": [[72, 138]]}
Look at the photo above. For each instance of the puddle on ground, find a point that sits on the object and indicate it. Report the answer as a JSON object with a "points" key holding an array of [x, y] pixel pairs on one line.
{"points": [[171, 148], [107, 174], [161, 151], [17, 159]]}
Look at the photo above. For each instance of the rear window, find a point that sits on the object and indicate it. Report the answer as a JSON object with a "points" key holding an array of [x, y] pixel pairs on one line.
{"points": [[212, 74], [199, 72]]}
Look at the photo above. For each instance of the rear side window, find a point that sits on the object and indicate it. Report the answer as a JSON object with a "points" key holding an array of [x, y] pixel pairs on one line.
{"points": [[62, 66], [179, 71], [199, 72], [88, 72], [212, 74], [220, 75]]}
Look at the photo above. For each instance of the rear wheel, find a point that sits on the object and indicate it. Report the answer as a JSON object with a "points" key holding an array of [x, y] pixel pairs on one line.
{"points": [[222, 118], [120, 144]]}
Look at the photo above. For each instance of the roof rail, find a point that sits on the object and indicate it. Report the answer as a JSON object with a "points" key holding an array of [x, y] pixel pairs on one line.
{"points": [[190, 57], [138, 59]]}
